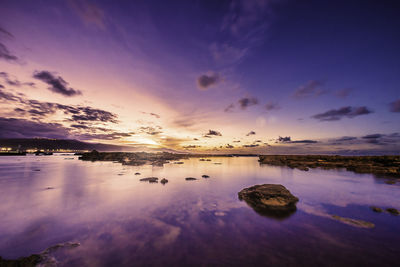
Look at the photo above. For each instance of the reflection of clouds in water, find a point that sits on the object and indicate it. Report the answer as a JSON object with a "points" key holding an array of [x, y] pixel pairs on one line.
{"points": [[320, 211]]}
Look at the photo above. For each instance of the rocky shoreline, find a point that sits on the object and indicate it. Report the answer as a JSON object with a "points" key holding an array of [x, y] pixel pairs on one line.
{"points": [[387, 166], [143, 158]]}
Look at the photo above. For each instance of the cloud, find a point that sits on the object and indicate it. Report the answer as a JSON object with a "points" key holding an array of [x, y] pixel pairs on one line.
{"points": [[14, 81], [395, 106], [229, 108], [90, 114], [21, 128], [8, 96], [6, 54], [206, 81], [109, 136], [212, 133], [57, 84], [346, 138], [283, 139], [152, 114], [77, 114], [252, 145], [373, 136], [337, 114], [288, 140], [227, 54], [343, 93], [246, 102], [191, 146], [311, 88], [272, 106], [151, 130], [304, 142], [89, 13], [251, 133], [6, 33], [247, 18]]}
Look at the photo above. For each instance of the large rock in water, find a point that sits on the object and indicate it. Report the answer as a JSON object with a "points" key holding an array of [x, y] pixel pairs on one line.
{"points": [[272, 200]]}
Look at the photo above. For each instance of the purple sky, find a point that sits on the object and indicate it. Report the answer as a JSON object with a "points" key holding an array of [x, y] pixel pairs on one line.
{"points": [[215, 76]]}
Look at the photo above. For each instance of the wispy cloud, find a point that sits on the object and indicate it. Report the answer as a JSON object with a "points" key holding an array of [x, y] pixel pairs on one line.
{"points": [[14, 81], [152, 114], [5, 53], [57, 83], [205, 81], [343, 93], [89, 13], [212, 133], [272, 106], [251, 133], [311, 88], [21, 128], [338, 114], [395, 106], [246, 102]]}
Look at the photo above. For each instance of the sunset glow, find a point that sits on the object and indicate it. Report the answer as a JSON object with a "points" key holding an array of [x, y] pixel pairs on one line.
{"points": [[154, 77]]}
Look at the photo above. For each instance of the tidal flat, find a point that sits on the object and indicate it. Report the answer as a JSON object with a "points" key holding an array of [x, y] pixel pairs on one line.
{"points": [[107, 216]]}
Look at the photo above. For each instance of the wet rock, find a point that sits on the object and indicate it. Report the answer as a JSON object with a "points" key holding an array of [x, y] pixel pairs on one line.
{"points": [[303, 168], [164, 181], [149, 179], [190, 178], [49, 188], [390, 182], [137, 173], [208, 159], [205, 176], [393, 211], [354, 222], [202, 159], [32, 260], [379, 165], [36, 170], [272, 200], [42, 259], [376, 209], [178, 162], [217, 163]]}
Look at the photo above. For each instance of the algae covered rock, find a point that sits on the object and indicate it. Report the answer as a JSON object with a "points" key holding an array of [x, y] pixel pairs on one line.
{"points": [[272, 200]]}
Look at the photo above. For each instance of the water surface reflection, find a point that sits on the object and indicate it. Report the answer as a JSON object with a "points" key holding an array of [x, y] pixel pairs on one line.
{"points": [[119, 220]]}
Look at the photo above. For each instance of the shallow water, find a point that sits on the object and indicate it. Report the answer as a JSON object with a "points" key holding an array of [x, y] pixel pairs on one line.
{"points": [[120, 221]]}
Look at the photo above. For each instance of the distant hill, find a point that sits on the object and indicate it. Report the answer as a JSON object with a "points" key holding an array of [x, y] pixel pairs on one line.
{"points": [[54, 144]]}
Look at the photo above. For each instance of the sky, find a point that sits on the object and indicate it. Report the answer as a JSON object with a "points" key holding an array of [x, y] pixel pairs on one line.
{"points": [[234, 76]]}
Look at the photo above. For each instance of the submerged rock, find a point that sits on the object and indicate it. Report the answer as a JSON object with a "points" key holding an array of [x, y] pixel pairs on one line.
{"points": [[205, 176], [354, 222], [149, 179], [376, 209], [393, 211], [190, 178], [272, 200], [137, 173], [164, 181]]}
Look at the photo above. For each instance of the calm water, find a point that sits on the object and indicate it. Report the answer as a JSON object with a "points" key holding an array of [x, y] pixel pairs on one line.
{"points": [[120, 221]]}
